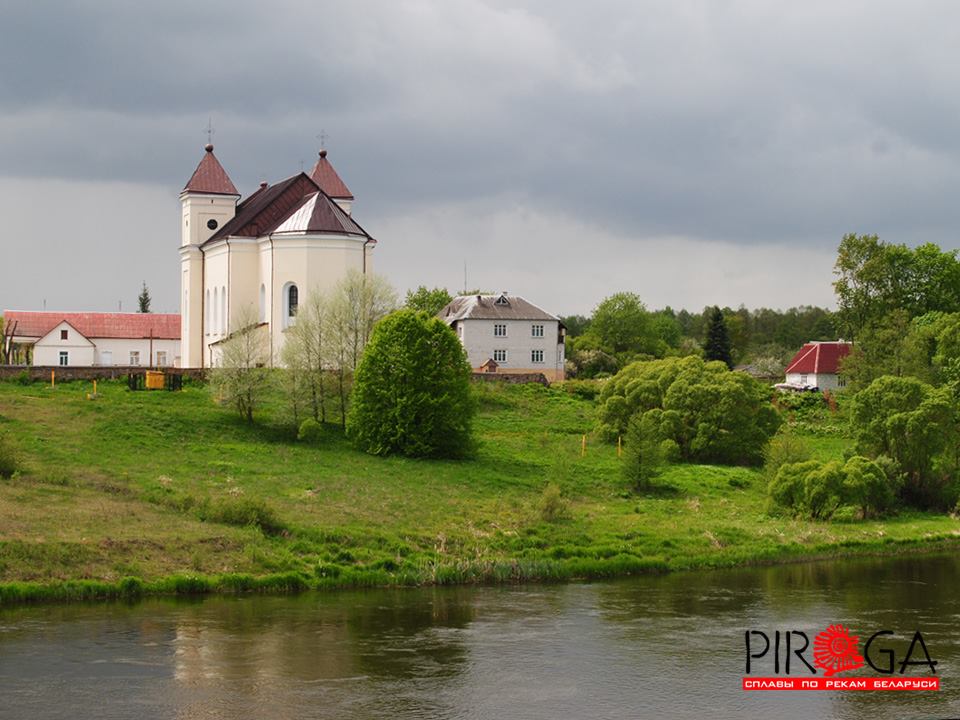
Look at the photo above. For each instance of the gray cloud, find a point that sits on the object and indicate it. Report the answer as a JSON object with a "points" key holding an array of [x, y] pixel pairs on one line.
{"points": [[745, 124]]}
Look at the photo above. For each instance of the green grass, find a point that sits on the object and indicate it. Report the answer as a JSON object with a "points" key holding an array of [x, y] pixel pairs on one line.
{"points": [[167, 493]]}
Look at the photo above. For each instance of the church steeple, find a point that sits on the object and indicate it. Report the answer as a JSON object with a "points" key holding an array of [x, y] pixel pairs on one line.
{"points": [[210, 177], [326, 177]]}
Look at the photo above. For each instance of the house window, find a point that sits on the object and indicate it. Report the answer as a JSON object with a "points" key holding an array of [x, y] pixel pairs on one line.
{"points": [[161, 357], [500, 356], [64, 334], [64, 358], [291, 301], [803, 379], [841, 382], [536, 330], [536, 356], [499, 331], [134, 357]]}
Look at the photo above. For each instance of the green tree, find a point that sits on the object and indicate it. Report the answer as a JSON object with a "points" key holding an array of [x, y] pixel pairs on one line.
{"points": [[411, 394], [643, 454], [355, 306], [712, 415], [867, 486], [622, 324], [576, 325], [875, 278], [308, 354], [241, 378], [430, 301], [717, 343], [143, 300], [915, 425]]}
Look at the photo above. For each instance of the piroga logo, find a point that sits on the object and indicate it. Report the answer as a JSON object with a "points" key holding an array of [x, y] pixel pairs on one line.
{"points": [[834, 650]]}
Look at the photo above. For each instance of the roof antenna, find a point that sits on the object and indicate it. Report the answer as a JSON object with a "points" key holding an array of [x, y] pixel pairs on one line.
{"points": [[464, 277]]}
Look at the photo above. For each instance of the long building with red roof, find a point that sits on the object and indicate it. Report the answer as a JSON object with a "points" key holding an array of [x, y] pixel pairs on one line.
{"points": [[80, 339]]}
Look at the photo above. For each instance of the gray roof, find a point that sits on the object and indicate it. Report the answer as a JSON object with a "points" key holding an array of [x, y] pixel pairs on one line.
{"points": [[492, 307]]}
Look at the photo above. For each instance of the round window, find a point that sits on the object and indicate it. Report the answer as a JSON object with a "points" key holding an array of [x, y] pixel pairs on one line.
{"points": [[212, 224]]}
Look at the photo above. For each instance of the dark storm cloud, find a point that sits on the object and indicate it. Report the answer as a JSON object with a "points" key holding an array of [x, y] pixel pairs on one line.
{"points": [[748, 122]]}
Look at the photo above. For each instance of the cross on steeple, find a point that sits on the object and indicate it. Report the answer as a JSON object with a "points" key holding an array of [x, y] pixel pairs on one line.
{"points": [[322, 137], [210, 131]]}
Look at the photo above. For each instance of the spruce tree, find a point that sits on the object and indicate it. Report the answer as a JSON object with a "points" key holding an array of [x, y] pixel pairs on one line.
{"points": [[717, 345], [144, 300]]}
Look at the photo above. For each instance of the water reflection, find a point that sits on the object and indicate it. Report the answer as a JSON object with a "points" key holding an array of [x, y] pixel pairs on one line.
{"points": [[666, 646]]}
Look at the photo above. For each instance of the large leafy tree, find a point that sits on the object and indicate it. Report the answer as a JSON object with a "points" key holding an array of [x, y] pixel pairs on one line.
{"points": [[411, 394], [875, 278], [622, 324], [712, 415], [430, 301], [915, 424], [716, 345]]}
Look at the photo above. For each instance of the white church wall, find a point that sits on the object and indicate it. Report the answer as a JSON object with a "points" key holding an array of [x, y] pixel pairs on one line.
{"points": [[216, 280], [244, 280]]}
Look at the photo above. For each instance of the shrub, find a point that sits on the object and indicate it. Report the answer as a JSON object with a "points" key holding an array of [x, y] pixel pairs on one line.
{"points": [[23, 378], [8, 458], [785, 448], [310, 431], [712, 414], [817, 490], [243, 512], [553, 506], [411, 393]]}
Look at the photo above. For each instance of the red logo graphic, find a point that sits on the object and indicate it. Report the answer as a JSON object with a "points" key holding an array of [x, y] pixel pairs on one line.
{"points": [[835, 650]]}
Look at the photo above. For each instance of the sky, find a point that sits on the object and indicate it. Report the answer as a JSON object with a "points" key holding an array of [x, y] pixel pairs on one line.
{"points": [[695, 152]]}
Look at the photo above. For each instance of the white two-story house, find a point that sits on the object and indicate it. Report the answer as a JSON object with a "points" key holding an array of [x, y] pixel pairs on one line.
{"points": [[507, 334]]}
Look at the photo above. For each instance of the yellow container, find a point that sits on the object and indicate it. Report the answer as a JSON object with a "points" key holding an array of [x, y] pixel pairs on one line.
{"points": [[155, 380]]}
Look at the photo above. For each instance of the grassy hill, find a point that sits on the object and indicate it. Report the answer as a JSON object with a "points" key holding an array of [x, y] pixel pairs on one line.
{"points": [[177, 492]]}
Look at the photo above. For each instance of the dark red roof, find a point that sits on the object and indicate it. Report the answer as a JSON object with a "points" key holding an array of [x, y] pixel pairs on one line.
{"points": [[268, 208], [326, 177], [210, 177], [819, 357], [97, 325]]}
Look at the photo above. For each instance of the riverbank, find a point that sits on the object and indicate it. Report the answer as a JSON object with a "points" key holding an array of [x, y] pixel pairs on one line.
{"points": [[139, 493]]}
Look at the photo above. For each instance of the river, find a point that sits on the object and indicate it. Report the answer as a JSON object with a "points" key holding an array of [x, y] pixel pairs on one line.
{"points": [[651, 647]]}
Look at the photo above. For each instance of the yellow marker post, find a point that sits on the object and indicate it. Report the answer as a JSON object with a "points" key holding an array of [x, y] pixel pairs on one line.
{"points": [[619, 445], [53, 379], [94, 388], [583, 446]]}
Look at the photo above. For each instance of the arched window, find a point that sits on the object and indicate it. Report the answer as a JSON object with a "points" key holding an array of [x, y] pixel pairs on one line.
{"points": [[291, 300], [206, 314], [263, 303], [223, 310], [215, 317]]}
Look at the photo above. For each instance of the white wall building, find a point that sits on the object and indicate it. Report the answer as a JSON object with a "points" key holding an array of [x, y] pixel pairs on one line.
{"points": [[817, 365], [505, 333], [71, 339], [263, 255]]}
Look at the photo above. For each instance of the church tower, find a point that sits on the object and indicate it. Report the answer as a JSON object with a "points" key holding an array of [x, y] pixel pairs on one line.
{"points": [[209, 201], [329, 181]]}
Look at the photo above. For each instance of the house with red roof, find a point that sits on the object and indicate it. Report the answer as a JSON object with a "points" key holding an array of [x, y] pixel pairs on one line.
{"points": [[84, 339], [254, 261], [817, 366]]}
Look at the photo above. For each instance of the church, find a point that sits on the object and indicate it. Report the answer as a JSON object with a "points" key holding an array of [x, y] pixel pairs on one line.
{"points": [[262, 255]]}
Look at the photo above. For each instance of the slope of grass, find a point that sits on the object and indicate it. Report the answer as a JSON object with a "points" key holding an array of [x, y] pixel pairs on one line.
{"points": [[158, 486]]}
